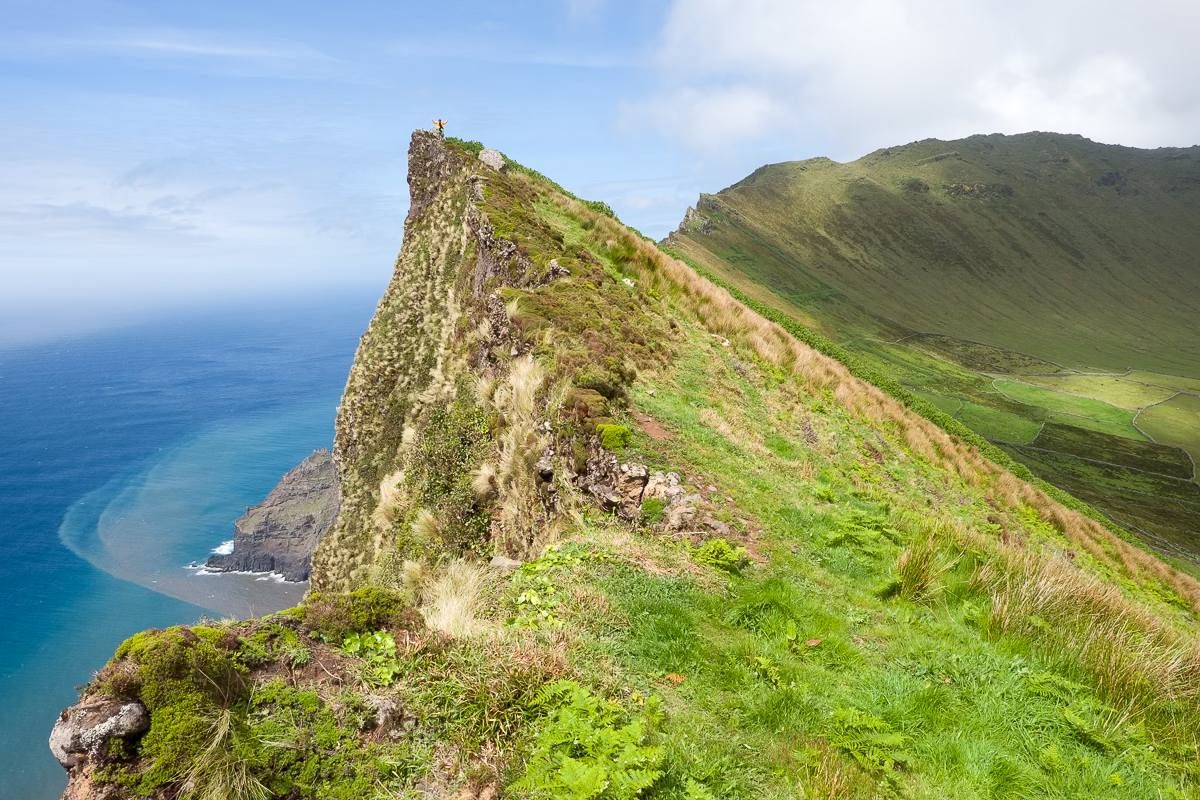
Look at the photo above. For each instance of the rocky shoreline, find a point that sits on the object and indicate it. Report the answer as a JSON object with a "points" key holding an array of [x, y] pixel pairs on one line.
{"points": [[279, 534]]}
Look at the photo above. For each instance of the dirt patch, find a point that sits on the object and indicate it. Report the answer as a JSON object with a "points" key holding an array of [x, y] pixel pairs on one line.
{"points": [[651, 426]]}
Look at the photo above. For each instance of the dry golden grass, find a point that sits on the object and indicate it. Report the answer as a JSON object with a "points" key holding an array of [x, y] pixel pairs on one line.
{"points": [[1132, 655], [452, 599], [425, 526], [519, 514], [483, 480], [391, 496]]}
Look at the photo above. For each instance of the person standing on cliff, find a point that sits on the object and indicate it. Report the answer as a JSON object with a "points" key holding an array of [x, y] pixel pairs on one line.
{"points": [[439, 125]]}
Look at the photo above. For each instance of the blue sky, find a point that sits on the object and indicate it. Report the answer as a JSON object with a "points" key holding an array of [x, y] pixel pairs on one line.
{"points": [[157, 155]]}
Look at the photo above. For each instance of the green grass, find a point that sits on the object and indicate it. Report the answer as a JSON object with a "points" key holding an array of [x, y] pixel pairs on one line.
{"points": [[997, 424], [1121, 392], [802, 661], [1174, 422], [1082, 412]]}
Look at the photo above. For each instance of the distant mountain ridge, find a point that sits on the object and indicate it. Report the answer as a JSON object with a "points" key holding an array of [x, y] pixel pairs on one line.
{"points": [[995, 275]]}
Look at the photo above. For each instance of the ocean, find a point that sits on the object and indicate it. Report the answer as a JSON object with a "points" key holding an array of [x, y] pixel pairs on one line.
{"points": [[126, 457]]}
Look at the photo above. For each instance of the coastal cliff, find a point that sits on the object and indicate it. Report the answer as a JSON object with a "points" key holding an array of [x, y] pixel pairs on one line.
{"points": [[279, 534], [607, 533]]}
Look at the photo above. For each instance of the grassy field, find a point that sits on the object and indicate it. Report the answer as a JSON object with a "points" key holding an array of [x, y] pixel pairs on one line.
{"points": [[1071, 409], [1174, 422], [1008, 280], [1122, 392]]}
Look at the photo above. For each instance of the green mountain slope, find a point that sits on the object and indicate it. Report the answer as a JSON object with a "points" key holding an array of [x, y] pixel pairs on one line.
{"points": [[607, 533], [1024, 284]]}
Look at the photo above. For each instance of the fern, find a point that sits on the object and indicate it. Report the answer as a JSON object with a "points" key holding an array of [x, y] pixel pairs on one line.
{"points": [[871, 741], [589, 748]]}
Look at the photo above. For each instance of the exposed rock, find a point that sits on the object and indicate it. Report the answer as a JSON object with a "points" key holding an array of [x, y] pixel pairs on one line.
{"points": [[388, 718], [492, 158], [665, 486], [83, 731], [545, 465], [681, 514], [693, 222], [280, 534], [616, 487]]}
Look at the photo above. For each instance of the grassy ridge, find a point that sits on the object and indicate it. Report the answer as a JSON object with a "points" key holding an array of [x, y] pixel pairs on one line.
{"points": [[1012, 282]]}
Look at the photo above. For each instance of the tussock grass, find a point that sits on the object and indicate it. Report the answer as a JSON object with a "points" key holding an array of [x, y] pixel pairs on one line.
{"points": [[217, 772], [453, 598], [920, 568], [391, 497], [1132, 654]]}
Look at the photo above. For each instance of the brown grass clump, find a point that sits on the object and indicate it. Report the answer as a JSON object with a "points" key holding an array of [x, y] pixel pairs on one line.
{"points": [[920, 568], [1132, 654]]}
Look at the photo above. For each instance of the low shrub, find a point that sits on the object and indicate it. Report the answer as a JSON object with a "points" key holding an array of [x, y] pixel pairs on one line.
{"points": [[613, 436], [333, 617]]}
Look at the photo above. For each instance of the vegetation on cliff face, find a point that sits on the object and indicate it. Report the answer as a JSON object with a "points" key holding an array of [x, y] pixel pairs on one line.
{"points": [[729, 568], [1039, 288]]}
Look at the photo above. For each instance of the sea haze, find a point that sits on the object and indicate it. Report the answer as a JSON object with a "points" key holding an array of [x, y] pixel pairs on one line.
{"points": [[127, 456]]}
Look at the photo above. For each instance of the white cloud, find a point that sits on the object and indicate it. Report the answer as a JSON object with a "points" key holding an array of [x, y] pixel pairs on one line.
{"points": [[867, 73], [706, 119]]}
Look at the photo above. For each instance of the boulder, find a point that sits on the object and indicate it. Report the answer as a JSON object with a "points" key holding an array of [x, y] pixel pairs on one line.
{"points": [[492, 158], [85, 730]]}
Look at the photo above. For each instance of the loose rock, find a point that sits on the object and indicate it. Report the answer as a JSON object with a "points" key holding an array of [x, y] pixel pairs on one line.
{"points": [[492, 158]]}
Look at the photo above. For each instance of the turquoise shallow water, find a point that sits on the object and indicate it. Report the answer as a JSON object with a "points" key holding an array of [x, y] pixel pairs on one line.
{"points": [[126, 457]]}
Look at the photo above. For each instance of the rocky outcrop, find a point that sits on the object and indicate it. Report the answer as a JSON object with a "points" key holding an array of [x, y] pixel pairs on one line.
{"points": [[622, 488], [86, 732], [280, 534]]}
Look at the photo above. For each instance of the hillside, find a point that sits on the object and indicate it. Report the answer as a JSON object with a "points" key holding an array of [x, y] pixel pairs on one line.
{"points": [[1041, 288], [606, 532]]}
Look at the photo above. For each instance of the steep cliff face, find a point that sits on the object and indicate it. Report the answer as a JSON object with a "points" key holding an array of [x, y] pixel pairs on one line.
{"points": [[404, 360], [607, 533], [279, 534], [446, 379]]}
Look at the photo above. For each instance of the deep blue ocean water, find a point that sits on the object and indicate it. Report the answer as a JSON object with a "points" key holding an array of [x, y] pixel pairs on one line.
{"points": [[125, 456]]}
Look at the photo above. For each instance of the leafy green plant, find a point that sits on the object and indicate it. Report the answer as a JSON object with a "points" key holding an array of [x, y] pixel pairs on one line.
{"points": [[767, 669], [653, 510], [870, 740], [538, 594], [297, 655], [378, 649], [589, 748], [719, 553]]}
